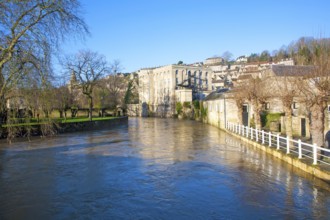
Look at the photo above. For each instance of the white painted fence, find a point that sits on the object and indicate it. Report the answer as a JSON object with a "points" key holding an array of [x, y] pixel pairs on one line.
{"points": [[301, 149]]}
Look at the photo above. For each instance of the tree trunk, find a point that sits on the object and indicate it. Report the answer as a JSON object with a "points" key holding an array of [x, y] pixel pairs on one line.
{"points": [[257, 110], [239, 105], [46, 112], [2, 100], [61, 113], [90, 103], [288, 122], [3, 110], [317, 124]]}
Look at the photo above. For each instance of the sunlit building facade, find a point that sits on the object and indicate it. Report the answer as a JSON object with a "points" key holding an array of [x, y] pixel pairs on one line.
{"points": [[160, 88]]}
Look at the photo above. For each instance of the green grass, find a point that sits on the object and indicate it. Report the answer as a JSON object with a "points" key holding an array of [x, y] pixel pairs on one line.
{"points": [[73, 120], [58, 120]]}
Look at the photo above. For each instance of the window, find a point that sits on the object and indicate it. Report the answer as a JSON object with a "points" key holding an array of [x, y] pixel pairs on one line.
{"points": [[189, 78], [267, 106], [295, 105], [329, 108]]}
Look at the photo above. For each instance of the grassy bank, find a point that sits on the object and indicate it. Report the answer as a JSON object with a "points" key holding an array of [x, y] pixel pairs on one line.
{"points": [[34, 121]]}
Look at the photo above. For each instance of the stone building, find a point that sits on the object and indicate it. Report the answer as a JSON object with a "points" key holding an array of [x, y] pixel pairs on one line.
{"points": [[224, 75], [160, 88], [222, 106]]}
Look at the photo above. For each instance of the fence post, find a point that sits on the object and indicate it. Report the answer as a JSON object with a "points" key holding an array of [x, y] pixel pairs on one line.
{"points": [[314, 154], [251, 133], [243, 128], [299, 149], [278, 142], [262, 137], [239, 129], [257, 136], [270, 139], [287, 145]]}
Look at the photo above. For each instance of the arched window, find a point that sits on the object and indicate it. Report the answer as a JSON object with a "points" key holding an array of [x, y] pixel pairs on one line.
{"points": [[176, 77], [189, 78], [195, 80]]}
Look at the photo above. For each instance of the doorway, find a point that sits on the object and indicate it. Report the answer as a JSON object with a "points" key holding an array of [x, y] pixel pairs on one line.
{"points": [[245, 115], [303, 127]]}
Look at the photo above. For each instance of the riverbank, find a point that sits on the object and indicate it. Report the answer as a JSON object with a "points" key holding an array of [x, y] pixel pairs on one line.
{"points": [[45, 129], [320, 171]]}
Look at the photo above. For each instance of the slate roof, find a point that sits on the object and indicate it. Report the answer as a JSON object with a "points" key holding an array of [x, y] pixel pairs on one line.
{"points": [[280, 70], [218, 81], [216, 94]]}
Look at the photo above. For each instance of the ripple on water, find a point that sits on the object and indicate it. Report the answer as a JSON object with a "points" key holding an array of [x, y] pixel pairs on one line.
{"points": [[153, 169]]}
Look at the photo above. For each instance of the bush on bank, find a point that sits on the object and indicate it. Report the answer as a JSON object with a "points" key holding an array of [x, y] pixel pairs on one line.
{"points": [[49, 127]]}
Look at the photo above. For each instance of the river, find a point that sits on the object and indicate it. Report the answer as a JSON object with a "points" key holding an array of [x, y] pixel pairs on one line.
{"points": [[153, 169]]}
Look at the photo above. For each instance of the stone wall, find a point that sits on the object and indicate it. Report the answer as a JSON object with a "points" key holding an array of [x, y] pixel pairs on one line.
{"points": [[221, 110]]}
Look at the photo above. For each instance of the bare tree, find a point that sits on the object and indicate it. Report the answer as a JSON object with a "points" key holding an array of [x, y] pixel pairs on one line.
{"points": [[256, 92], [115, 86], [240, 97], [63, 100], [283, 84], [227, 56], [28, 31], [315, 87], [88, 68]]}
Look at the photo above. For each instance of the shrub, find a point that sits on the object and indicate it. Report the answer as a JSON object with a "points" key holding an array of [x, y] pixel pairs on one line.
{"points": [[196, 104], [186, 104], [272, 117], [178, 107], [203, 112]]}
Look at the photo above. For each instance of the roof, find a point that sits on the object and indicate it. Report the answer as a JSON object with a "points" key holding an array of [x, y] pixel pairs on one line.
{"points": [[281, 70], [244, 77], [216, 94], [218, 81], [213, 58]]}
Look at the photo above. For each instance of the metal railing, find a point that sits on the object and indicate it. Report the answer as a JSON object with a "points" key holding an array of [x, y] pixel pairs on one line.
{"points": [[290, 146]]}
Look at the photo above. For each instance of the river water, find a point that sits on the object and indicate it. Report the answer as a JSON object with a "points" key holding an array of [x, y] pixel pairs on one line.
{"points": [[153, 169]]}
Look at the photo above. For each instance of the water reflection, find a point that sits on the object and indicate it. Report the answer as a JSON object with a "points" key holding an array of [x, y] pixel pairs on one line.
{"points": [[153, 169]]}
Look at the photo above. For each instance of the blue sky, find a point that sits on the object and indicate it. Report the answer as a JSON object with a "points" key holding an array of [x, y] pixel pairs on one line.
{"points": [[148, 33]]}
